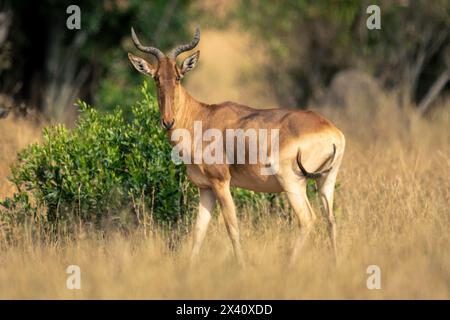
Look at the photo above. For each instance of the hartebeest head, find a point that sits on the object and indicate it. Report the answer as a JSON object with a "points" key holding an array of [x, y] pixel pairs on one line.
{"points": [[167, 74]]}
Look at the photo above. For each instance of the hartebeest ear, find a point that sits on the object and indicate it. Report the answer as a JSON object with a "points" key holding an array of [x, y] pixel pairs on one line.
{"points": [[142, 66], [190, 62]]}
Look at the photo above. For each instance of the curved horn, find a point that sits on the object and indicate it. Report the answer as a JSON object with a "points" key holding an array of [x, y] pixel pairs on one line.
{"points": [[152, 50], [185, 47]]}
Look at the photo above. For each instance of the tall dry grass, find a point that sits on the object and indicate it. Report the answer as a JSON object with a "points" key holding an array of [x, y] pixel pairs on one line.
{"points": [[392, 209], [15, 134]]}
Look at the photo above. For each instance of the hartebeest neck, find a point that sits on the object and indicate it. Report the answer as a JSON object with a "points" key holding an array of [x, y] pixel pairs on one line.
{"points": [[187, 111]]}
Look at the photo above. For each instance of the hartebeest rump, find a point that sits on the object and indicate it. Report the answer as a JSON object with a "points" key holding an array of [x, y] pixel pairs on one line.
{"points": [[306, 140]]}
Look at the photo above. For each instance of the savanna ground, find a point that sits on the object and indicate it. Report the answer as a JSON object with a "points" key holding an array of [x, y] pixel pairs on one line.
{"points": [[392, 208]]}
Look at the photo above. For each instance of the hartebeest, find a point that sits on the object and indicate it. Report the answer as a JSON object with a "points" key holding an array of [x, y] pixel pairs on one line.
{"points": [[306, 140]]}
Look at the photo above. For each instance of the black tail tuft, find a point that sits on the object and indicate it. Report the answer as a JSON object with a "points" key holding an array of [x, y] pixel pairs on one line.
{"points": [[317, 174]]}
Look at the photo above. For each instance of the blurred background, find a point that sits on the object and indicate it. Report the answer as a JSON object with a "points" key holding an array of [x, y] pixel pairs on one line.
{"points": [[284, 53], [296, 53]]}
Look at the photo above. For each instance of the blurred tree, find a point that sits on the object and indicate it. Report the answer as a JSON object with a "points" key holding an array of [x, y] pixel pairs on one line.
{"points": [[54, 65], [309, 41]]}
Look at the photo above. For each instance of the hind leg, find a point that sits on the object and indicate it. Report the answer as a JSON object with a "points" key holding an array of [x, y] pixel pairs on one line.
{"points": [[326, 187], [296, 192]]}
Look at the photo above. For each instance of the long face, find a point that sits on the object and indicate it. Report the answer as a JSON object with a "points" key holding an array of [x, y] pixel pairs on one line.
{"points": [[167, 80], [167, 76]]}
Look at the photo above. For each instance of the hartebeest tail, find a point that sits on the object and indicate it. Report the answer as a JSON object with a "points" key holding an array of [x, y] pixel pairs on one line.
{"points": [[317, 174]]}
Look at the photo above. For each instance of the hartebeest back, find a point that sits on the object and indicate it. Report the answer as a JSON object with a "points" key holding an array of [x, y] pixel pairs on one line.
{"points": [[306, 146]]}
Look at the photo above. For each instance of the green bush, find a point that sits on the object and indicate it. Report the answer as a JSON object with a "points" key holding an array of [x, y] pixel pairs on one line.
{"points": [[102, 165]]}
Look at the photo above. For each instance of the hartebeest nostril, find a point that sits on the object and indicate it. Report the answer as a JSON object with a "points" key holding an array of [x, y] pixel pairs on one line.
{"points": [[168, 125]]}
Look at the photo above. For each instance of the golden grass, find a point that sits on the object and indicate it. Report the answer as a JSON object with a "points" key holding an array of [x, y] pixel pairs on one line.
{"points": [[392, 210], [15, 134]]}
